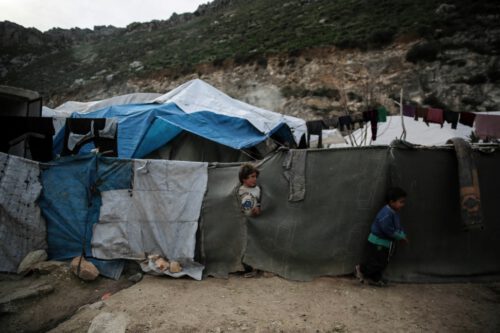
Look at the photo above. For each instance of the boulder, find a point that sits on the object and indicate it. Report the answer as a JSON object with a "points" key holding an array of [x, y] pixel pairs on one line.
{"points": [[88, 271], [30, 260]]}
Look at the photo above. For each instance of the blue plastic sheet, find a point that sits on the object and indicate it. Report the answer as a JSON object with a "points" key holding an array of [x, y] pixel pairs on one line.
{"points": [[71, 201], [143, 128]]}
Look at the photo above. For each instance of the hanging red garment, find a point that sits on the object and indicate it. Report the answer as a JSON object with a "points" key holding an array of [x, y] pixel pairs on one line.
{"points": [[435, 116]]}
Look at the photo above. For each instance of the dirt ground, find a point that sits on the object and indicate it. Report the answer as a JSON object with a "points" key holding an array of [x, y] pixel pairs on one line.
{"points": [[261, 304]]}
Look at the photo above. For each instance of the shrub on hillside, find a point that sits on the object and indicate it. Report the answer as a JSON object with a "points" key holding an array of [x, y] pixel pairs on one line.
{"points": [[381, 38], [423, 52]]}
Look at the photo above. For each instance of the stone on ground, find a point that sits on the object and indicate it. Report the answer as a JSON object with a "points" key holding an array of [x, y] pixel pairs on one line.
{"points": [[88, 271], [31, 259], [107, 322]]}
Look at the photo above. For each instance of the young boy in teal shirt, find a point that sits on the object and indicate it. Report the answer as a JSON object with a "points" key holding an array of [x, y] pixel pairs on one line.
{"points": [[385, 230]]}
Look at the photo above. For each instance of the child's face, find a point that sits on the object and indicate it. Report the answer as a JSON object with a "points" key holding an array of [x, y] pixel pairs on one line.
{"points": [[397, 205], [251, 180]]}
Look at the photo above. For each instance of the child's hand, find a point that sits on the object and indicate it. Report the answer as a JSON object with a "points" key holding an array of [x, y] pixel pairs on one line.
{"points": [[256, 211]]}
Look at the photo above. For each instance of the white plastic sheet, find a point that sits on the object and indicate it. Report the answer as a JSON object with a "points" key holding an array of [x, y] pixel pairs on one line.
{"points": [[197, 95], [158, 216]]}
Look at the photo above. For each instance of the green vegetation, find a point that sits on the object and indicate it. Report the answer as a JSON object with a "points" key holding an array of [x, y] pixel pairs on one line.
{"points": [[249, 31]]}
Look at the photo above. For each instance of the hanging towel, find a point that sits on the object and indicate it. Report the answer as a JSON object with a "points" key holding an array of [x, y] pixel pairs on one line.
{"points": [[434, 116], [487, 126], [382, 114], [452, 118], [470, 196], [409, 110], [467, 118]]}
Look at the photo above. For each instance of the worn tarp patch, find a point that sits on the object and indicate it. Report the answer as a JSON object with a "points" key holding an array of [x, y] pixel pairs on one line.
{"points": [[158, 216]]}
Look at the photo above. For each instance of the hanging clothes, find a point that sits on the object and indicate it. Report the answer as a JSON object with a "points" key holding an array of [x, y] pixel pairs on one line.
{"points": [[421, 113], [345, 121], [382, 114], [371, 116], [357, 118], [487, 126], [332, 122], [451, 117], [316, 127], [409, 111], [467, 118], [434, 116]]}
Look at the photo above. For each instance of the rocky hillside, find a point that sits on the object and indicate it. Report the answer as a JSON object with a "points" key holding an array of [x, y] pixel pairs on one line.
{"points": [[310, 58]]}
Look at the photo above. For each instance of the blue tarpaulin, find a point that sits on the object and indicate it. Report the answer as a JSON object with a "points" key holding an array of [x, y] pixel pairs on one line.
{"points": [[143, 128], [71, 200]]}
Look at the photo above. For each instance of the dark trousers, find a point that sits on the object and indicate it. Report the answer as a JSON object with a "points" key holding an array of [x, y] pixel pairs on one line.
{"points": [[375, 261]]}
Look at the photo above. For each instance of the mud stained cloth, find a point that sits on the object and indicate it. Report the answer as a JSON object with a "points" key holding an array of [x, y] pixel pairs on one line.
{"points": [[22, 228], [159, 215]]}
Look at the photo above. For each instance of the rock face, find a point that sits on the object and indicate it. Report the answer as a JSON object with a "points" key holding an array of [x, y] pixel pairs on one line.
{"points": [[324, 82]]}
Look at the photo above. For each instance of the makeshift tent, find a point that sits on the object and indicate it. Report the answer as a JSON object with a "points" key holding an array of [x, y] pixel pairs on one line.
{"points": [[197, 95], [195, 108]]}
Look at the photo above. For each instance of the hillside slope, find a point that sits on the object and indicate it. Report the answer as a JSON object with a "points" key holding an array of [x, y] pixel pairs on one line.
{"points": [[304, 57]]}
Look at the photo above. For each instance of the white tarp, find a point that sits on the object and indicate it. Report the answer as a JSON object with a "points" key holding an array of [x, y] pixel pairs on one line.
{"points": [[22, 228], [197, 95], [67, 108], [417, 132], [158, 216]]}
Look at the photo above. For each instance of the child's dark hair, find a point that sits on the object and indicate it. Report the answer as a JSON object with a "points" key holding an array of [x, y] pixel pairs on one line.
{"points": [[246, 170], [395, 193]]}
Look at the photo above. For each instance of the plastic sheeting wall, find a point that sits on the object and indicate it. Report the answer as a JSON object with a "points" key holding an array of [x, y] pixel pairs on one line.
{"points": [[22, 228], [70, 202], [326, 232], [159, 215]]}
